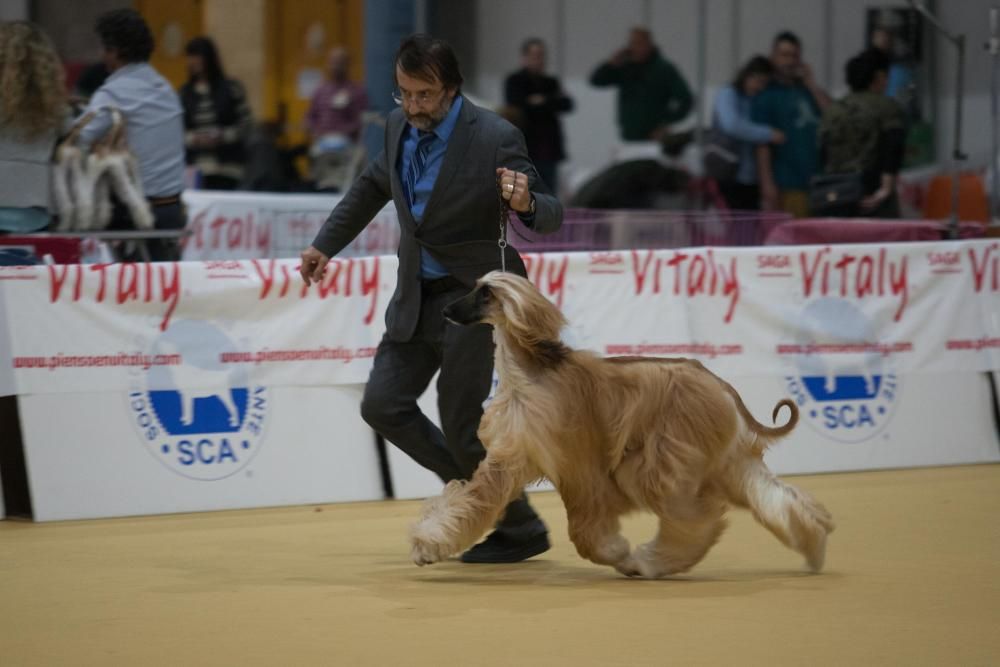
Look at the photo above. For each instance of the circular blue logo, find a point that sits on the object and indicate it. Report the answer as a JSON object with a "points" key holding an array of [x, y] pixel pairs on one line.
{"points": [[844, 384], [200, 417]]}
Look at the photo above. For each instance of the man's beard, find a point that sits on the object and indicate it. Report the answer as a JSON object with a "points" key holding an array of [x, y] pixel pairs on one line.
{"points": [[430, 120]]}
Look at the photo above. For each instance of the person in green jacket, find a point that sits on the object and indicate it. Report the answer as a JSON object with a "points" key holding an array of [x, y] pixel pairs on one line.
{"points": [[652, 94]]}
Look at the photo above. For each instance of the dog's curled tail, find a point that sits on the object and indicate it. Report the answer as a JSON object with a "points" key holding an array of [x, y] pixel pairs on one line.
{"points": [[779, 431], [769, 432]]}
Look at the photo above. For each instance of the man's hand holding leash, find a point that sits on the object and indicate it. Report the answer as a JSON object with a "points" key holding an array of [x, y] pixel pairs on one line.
{"points": [[514, 188]]}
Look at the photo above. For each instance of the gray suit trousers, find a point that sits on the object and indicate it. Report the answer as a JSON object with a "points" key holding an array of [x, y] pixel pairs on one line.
{"points": [[401, 373]]}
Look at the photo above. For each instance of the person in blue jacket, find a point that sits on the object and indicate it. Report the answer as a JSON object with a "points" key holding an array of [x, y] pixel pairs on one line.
{"points": [[731, 116]]}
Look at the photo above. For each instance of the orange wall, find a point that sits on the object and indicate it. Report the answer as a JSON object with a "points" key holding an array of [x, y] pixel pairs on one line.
{"points": [[277, 46], [300, 34], [173, 23]]}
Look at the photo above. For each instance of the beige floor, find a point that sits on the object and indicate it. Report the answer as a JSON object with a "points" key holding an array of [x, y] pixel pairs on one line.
{"points": [[913, 578]]}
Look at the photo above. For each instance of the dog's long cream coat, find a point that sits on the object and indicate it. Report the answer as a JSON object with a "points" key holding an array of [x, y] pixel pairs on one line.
{"points": [[613, 436], [82, 183]]}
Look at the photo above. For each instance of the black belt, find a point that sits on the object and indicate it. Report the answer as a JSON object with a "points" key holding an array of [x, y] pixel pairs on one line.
{"points": [[164, 201], [440, 285]]}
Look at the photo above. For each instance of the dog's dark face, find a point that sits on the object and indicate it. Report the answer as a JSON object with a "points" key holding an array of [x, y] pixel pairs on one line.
{"points": [[472, 308]]}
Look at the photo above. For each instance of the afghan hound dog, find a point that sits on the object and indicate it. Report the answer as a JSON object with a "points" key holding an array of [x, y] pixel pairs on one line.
{"points": [[614, 436]]}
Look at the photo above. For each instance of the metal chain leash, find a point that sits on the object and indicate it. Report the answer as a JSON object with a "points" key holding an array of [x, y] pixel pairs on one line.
{"points": [[504, 216]]}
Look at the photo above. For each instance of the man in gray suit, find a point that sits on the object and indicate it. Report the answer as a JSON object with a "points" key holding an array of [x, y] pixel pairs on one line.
{"points": [[440, 166]]}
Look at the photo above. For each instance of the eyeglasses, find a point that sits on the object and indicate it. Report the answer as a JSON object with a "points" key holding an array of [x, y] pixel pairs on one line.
{"points": [[421, 98]]}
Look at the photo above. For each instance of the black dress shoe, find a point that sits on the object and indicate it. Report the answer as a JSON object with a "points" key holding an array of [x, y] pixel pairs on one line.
{"points": [[501, 548]]}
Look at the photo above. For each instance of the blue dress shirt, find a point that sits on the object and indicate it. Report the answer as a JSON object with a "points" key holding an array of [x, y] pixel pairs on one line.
{"points": [[430, 268]]}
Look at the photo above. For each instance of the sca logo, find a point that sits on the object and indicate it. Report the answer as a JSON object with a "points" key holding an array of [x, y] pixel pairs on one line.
{"points": [[844, 386], [199, 417]]}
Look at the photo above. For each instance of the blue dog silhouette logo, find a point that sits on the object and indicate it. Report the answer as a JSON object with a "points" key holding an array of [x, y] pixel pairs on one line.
{"points": [[201, 418], [845, 387]]}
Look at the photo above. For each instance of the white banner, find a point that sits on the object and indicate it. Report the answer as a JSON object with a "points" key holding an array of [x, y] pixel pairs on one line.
{"points": [[242, 225], [224, 384], [858, 313], [104, 327], [920, 307]]}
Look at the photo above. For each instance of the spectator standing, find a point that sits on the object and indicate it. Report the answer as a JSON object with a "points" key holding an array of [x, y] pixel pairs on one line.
{"points": [[902, 77], [903, 85], [652, 94], [334, 124], [792, 103], [338, 103], [33, 109], [863, 133], [217, 120], [154, 123], [731, 117], [539, 99]]}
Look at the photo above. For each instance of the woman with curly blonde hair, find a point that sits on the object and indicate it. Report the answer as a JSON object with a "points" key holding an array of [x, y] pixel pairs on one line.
{"points": [[32, 111]]}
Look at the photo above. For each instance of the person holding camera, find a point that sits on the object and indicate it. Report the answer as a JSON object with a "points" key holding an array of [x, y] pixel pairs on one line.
{"points": [[652, 94], [791, 104]]}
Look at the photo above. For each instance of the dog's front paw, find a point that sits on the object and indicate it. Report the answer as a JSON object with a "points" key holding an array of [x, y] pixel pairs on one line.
{"points": [[639, 565], [424, 549], [424, 554], [629, 567]]}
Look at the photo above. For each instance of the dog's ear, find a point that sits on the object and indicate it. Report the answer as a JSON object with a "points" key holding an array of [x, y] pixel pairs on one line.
{"points": [[486, 293]]}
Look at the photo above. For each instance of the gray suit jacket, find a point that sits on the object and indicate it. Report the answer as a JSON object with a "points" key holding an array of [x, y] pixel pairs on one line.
{"points": [[461, 221]]}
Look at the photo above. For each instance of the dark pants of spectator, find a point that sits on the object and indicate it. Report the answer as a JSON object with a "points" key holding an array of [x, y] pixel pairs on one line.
{"points": [[887, 209], [740, 196], [165, 217], [219, 182]]}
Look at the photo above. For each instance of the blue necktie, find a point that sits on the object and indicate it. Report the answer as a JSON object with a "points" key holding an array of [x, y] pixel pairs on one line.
{"points": [[417, 164]]}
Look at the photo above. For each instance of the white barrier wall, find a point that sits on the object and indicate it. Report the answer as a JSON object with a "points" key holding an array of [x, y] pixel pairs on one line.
{"points": [[247, 225], [179, 387], [94, 461]]}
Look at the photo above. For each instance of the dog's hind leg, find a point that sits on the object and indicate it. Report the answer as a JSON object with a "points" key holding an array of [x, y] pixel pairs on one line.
{"points": [[792, 515], [595, 531], [457, 518], [687, 531]]}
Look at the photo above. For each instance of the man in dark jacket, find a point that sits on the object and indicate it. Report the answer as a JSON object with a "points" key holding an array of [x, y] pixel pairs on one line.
{"points": [[442, 159], [863, 133], [651, 92], [539, 99]]}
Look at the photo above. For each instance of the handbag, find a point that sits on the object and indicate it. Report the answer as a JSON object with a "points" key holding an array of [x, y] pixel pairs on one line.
{"points": [[721, 156], [836, 195]]}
